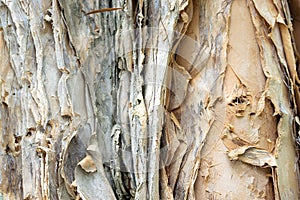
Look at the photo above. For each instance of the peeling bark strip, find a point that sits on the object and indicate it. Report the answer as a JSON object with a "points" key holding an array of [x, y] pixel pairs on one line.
{"points": [[179, 99]]}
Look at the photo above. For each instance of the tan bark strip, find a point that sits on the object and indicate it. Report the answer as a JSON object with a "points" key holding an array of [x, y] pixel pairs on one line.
{"points": [[243, 84], [197, 118], [290, 40], [276, 91], [282, 40], [10, 143], [294, 6]]}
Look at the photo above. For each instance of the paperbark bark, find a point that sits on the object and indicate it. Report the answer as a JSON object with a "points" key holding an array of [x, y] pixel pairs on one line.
{"points": [[178, 99]]}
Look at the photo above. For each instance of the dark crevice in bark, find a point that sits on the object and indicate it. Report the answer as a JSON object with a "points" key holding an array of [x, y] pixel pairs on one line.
{"points": [[294, 6]]}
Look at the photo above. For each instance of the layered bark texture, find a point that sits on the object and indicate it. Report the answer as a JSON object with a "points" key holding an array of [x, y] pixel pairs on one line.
{"points": [[164, 99]]}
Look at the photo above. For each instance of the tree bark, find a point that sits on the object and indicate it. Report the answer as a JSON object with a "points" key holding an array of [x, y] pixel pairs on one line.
{"points": [[179, 99]]}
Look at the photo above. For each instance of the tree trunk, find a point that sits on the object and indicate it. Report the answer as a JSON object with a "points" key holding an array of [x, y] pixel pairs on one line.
{"points": [[179, 99]]}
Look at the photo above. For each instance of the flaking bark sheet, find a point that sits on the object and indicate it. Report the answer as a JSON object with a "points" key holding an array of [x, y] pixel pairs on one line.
{"points": [[179, 99]]}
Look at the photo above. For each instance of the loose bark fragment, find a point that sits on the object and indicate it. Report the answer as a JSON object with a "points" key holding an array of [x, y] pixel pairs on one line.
{"points": [[102, 10]]}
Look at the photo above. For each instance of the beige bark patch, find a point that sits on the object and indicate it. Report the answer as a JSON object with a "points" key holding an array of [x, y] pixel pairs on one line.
{"points": [[88, 164]]}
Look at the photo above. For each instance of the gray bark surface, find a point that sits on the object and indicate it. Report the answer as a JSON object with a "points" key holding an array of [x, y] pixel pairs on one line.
{"points": [[178, 99]]}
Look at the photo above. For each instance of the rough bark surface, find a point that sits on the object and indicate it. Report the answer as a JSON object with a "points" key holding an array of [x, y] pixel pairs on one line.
{"points": [[178, 99]]}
